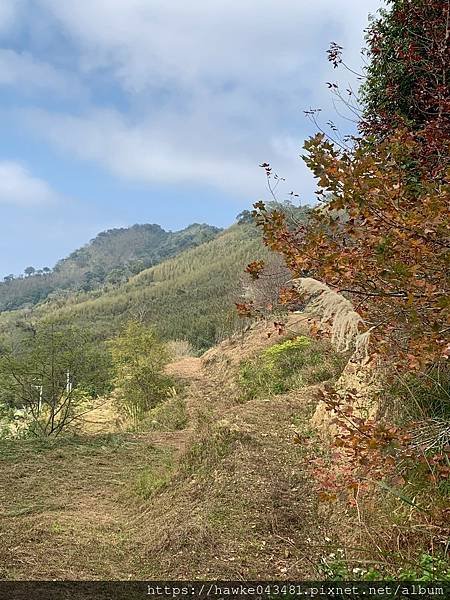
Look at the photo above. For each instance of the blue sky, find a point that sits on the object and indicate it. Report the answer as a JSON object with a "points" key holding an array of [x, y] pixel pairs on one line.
{"points": [[115, 112]]}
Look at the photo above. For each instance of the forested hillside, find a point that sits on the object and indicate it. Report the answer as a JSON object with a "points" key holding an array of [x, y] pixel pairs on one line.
{"points": [[191, 296], [110, 258]]}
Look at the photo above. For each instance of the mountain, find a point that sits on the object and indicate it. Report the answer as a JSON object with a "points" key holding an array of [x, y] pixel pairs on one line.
{"points": [[189, 296], [110, 258]]}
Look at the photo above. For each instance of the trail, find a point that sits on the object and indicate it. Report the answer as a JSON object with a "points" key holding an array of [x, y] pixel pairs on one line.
{"points": [[236, 506]]}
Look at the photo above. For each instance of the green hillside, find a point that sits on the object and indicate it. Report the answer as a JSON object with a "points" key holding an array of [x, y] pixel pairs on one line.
{"points": [[111, 258], [190, 296]]}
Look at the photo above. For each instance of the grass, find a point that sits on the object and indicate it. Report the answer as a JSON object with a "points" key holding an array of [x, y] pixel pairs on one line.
{"points": [[213, 444], [424, 567], [229, 498], [66, 504], [421, 401], [291, 364], [169, 415], [60, 447], [238, 506], [422, 396], [155, 476]]}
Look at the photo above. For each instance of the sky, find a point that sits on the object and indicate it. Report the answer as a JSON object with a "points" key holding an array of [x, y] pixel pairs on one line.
{"points": [[115, 112]]}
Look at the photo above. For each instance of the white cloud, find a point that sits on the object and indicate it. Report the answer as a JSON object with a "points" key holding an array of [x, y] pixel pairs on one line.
{"points": [[147, 152], [165, 43], [22, 71], [207, 89], [19, 187]]}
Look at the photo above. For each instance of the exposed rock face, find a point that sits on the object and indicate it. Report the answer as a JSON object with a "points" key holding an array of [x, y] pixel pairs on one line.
{"points": [[359, 385]]}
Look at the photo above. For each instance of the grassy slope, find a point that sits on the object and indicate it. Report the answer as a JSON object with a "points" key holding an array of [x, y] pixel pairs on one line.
{"points": [[230, 496], [190, 296], [225, 498]]}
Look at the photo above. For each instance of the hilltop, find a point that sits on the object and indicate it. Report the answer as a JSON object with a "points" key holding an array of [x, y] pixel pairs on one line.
{"points": [[189, 296], [112, 257], [184, 284]]}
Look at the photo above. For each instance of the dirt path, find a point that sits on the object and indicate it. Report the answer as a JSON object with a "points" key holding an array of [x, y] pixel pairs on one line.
{"points": [[120, 506], [188, 368], [104, 419]]}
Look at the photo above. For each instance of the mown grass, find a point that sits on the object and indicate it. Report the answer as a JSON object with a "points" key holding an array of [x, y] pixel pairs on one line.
{"points": [[213, 444], [61, 446], [155, 476], [66, 504]]}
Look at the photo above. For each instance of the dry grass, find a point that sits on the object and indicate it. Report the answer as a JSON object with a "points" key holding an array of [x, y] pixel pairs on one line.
{"points": [[225, 498], [65, 507], [239, 506], [232, 351], [180, 349], [103, 419]]}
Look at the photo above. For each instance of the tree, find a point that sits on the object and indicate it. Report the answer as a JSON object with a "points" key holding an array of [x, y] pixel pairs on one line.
{"points": [[381, 233], [408, 75], [117, 275], [264, 292], [139, 359], [372, 260], [51, 371], [244, 217], [29, 271]]}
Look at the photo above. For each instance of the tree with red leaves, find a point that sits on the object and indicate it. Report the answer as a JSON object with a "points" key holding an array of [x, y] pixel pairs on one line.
{"points": [[381, 232]]}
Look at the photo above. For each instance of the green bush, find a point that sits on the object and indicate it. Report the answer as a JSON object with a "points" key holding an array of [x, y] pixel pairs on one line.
{"points": [[139, 359], [288, 365], [426, 567]]}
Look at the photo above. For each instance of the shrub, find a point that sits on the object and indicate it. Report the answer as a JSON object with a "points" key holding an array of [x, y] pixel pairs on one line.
{"points": [[139, 359], [180, 348], [15, 423], [291, 364]]}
